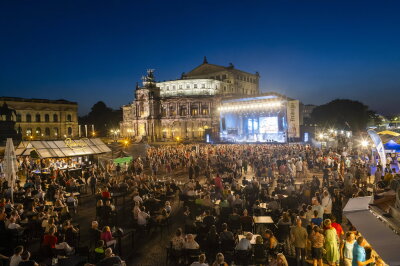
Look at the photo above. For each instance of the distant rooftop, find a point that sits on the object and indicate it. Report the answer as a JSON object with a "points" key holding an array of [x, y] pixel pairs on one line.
{"points": [[19, 99]]}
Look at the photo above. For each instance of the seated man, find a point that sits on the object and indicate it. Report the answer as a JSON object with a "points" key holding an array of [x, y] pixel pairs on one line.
{"points": [[190, 242], [244, 243], [25, 256], [110, 259]]}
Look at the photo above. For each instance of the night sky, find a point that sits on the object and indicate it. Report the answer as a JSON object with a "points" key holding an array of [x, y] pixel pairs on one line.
{"points": [[87, 51]]}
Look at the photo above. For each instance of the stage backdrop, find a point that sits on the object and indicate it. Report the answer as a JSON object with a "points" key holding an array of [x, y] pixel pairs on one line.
{"points": [[293, 118]]}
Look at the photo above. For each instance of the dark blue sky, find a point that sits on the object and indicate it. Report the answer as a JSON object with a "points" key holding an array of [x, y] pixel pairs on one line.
{"points": [[88, 51]]}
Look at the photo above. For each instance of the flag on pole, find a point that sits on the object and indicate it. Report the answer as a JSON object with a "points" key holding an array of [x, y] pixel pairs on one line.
{"points": [[10, 165], [379, 147]]}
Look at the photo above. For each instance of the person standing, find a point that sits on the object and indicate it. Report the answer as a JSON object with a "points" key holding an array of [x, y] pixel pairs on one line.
{"points": [[359, 254], [299, 239], [346, 249], [92, 183], [317, 244], [331, 243]]}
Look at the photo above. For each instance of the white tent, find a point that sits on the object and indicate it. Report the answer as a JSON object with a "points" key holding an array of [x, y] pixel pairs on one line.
{"points": [[10, 165], [379, 235]]}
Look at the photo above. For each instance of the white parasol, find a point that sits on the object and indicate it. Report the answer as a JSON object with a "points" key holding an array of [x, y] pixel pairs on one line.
{"points": [[10, 165]]}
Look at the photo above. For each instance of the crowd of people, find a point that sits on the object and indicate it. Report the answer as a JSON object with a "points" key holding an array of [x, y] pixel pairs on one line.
{"points": [[224, 189]]}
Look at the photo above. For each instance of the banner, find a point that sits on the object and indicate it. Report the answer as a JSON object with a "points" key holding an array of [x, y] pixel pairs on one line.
{"points": [[379, 147], [293, 119]]}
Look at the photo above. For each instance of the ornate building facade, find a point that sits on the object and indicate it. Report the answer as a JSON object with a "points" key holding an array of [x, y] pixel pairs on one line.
{"points": [[185, 108], [41, 119]]}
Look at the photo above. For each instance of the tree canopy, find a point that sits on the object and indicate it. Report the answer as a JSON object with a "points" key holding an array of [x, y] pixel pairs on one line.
{"points": [[343, 114], [102, 117]]}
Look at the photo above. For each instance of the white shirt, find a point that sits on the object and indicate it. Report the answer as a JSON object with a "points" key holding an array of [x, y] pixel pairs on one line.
{"points": [[196, 263], [326, 202], [15, 260], [13, 226], [142, 218]]}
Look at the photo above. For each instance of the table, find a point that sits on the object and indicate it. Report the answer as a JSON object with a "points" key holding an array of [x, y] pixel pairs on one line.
{"points": [[252, 241], [263, 205], [263, 220], [217, 202], [48, 203], [75, 194]]}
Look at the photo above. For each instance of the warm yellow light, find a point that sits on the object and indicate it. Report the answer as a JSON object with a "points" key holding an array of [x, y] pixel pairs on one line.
{"points": [[178, 138], [321, 135]]}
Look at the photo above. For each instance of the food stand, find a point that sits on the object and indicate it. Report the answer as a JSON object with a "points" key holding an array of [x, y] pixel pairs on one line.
{"points": [[383, 238]]}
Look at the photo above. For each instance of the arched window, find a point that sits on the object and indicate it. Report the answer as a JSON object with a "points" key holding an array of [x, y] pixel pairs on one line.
{"points": [[55, 118], [38, 131], [46, 118], [56, 131], [19, 118], [69, 131], [47, 132], [37, 117], [69, 118], [29, 131], [28, 118]]}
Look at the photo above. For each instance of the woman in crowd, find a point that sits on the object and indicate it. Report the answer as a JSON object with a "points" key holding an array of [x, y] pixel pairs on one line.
{"points": [[331, 243], [346, 249]]}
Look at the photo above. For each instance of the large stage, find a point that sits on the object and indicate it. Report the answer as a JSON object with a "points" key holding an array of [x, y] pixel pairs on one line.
{"points": [[255, 119]]}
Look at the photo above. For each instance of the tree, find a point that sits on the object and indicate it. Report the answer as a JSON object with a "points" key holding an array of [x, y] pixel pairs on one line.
{"points": [[344, 114], [102, 117]]}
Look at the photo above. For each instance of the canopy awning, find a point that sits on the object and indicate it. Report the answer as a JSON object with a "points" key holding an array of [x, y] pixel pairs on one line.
{"points": [[123, 160], [385, 242], [392, 145], [62, 148], [388, 132]]}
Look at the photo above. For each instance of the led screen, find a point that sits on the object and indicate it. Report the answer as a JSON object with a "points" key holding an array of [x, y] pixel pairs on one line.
{"points": [[269, 124]]}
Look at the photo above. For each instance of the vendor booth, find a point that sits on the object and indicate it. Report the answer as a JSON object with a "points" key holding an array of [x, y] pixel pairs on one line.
{"points": [[382, 237]]}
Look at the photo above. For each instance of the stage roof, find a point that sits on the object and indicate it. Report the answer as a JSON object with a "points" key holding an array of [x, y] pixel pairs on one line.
{"points": [[62, 148], [261, 97]]}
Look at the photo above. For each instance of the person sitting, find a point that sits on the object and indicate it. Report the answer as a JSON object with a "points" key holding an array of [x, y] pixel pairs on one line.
{"points": [[107, 237], [110, 259], [208, 220], [270, 240], [219, 260], [226, 235], [260, 253], [50, 239], [201, 261], [25, 256], [62, 245], [16, 257], [234, 221], [12, 224], [190, 243], [105, 194], [94, 233], [247, 222], [99, 251], [244, 243], [178, 241]]}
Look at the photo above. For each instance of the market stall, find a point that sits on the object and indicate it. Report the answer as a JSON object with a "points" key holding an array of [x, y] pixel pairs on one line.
{"points": [[382, 238]]}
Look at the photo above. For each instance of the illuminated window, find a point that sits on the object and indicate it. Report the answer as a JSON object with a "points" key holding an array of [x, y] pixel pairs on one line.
{"points": [[29, 131], [56, 131], [38, 131]]}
